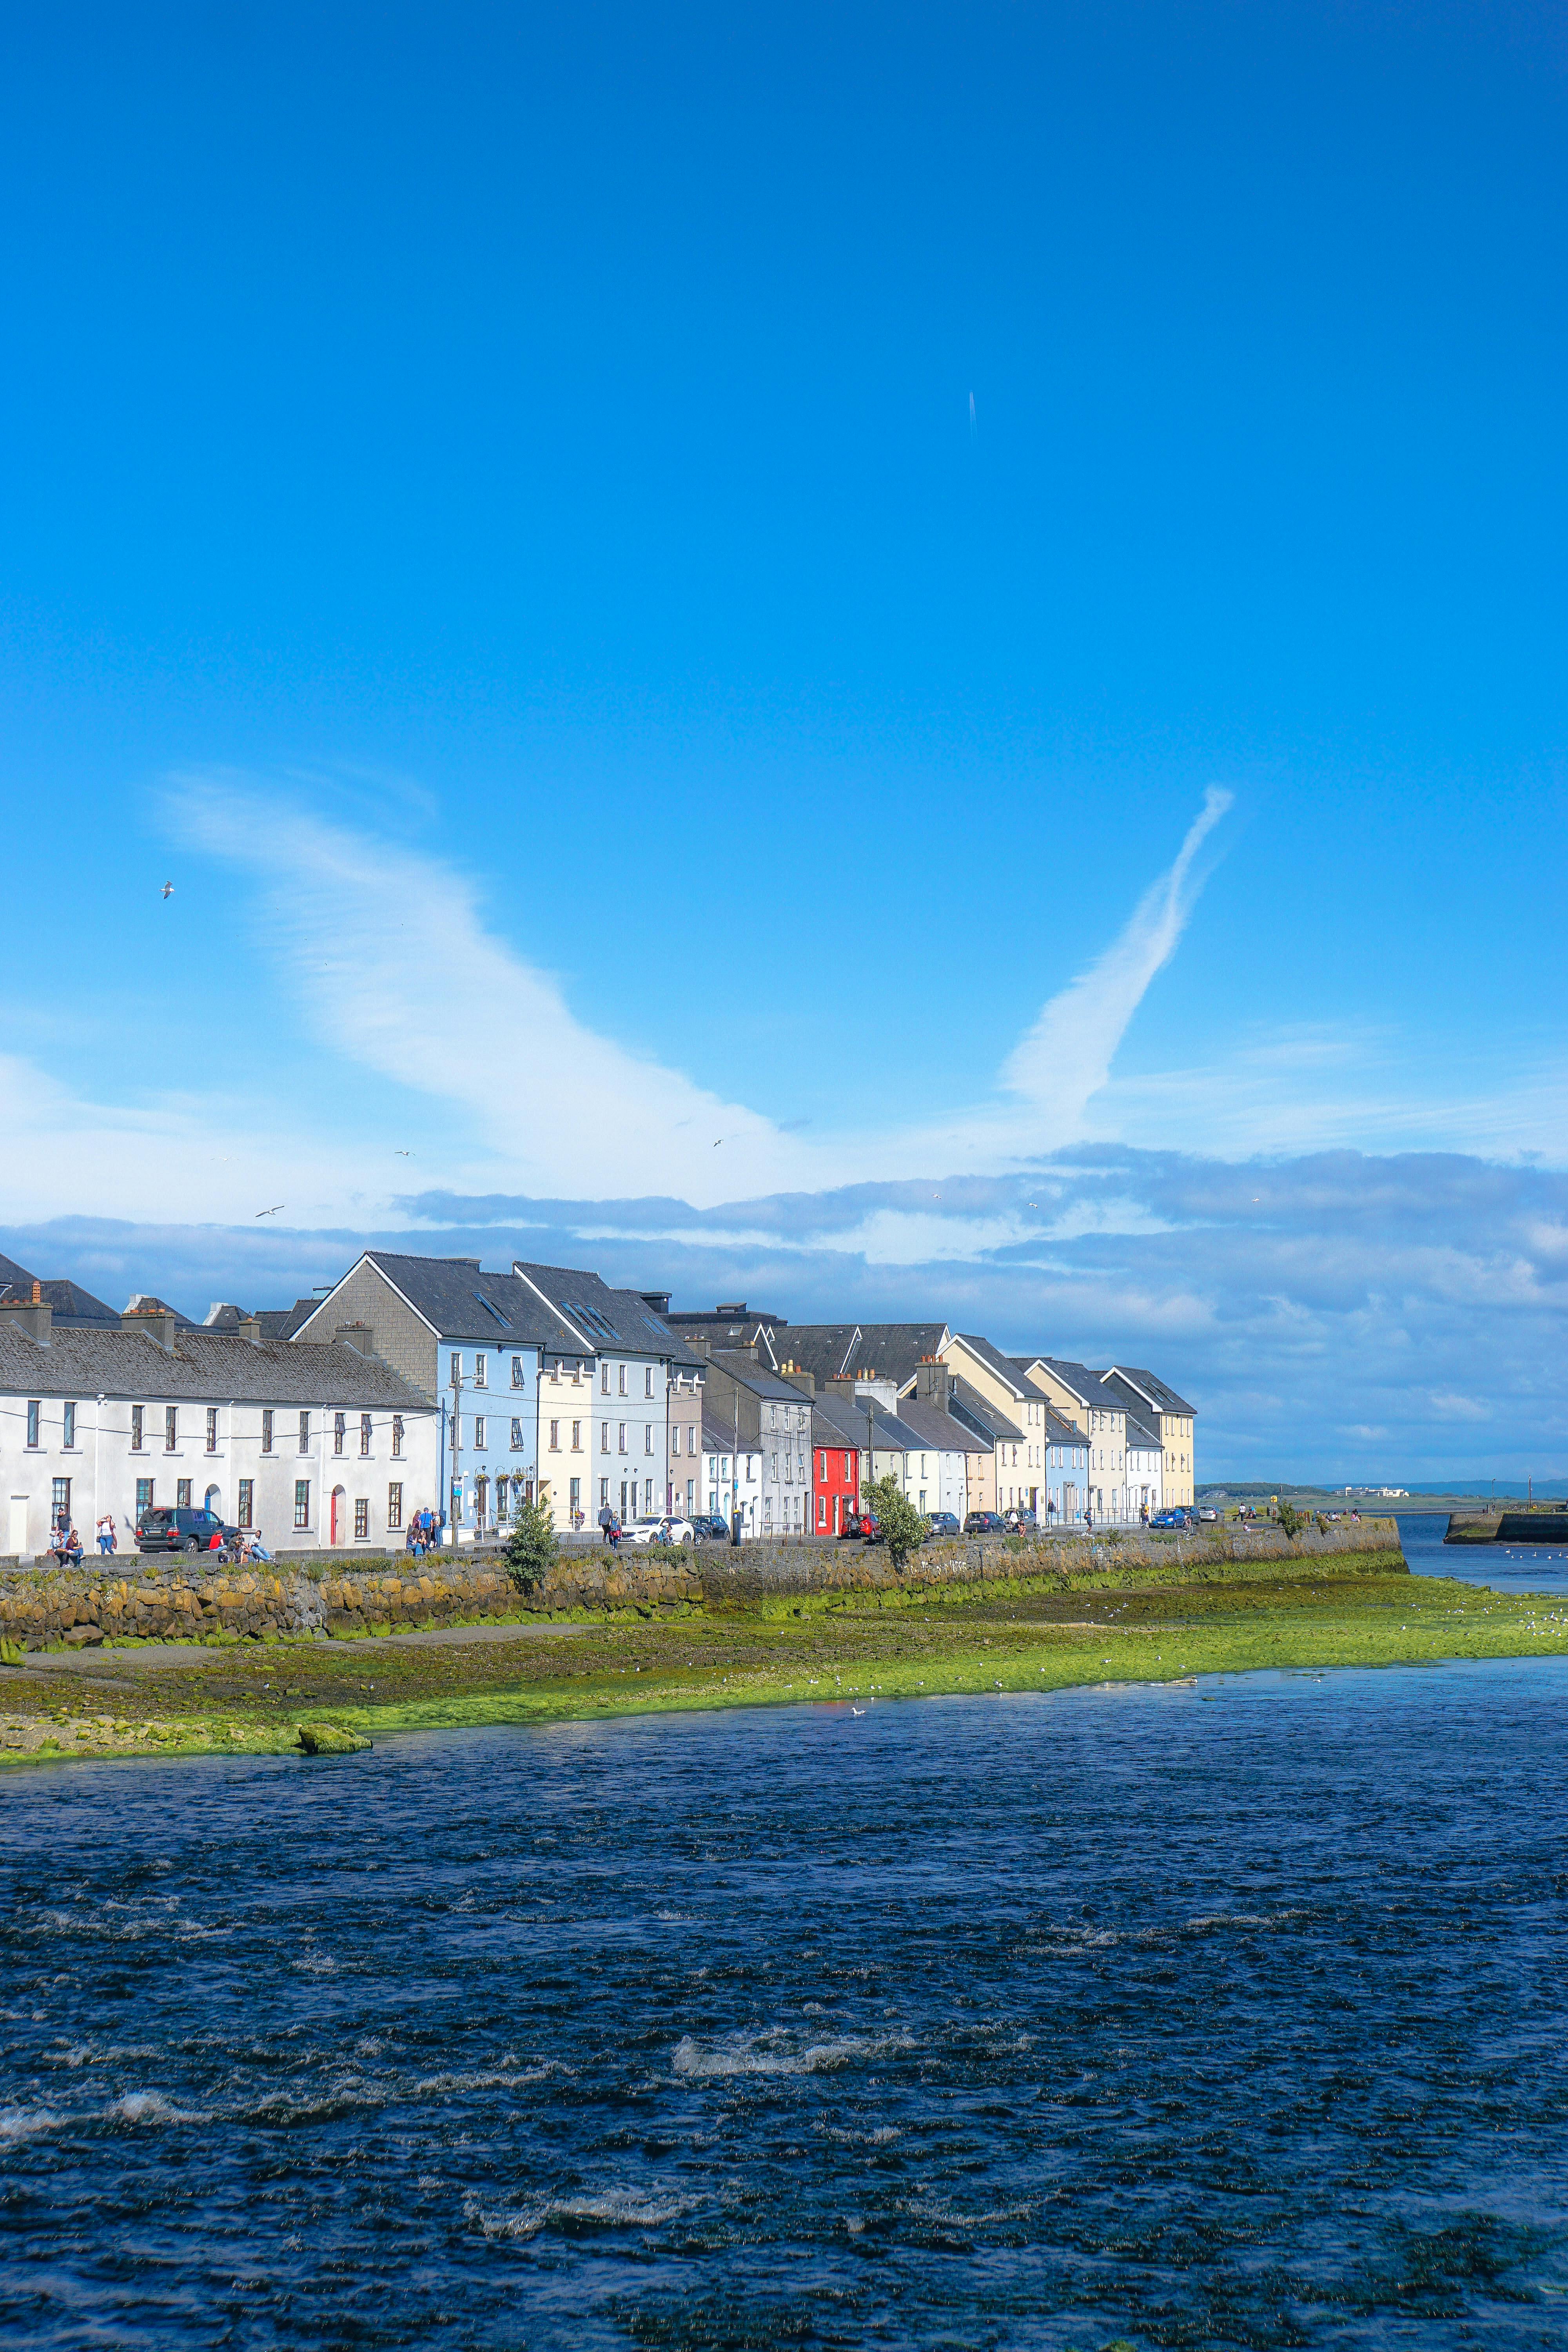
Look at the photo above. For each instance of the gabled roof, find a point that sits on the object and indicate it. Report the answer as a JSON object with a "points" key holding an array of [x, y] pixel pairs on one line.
{"points": [[1004, 1367], [838, 1350], [747, 1373], [720, 1438], [1062, 1433], [968, 1404], [282, 1322], [73, 1305], [942, 1432], [1154, 1391], [890, 1433], [1141, 1422], [206, 1365], [1077, 1379], [609, 1321], [457, 1300], [836, 1422]]}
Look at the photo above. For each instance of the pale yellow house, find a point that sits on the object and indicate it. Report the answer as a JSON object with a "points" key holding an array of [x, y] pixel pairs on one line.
{"points": [[1020, 1451], [1174, 1420], [1079, 1396]]}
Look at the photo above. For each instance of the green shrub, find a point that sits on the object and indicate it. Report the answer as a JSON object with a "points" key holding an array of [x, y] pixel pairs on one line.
{"points": [[903, 1530], [1291, 1519], [531, 1548]]}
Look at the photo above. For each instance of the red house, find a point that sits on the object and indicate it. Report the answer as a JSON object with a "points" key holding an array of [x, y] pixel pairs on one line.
{"points": [[838, 1434]]}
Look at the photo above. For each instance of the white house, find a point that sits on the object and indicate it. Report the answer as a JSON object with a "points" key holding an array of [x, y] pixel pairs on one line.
{"points": [[312, 1447], [503, 1372], [614, 1442]]}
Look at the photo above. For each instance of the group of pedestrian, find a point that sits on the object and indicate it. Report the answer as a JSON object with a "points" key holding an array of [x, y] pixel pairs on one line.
{"points": [[66, 1547], [610, 1528], [424, 1529]]}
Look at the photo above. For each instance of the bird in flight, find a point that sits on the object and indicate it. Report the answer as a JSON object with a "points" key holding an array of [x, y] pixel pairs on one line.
{"points": [[718, 1140], [399, 1153], [168, 889], [272, 1212]]}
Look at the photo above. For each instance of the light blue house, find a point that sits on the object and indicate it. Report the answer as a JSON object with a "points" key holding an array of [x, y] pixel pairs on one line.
{"points": [[1067, 1473]]}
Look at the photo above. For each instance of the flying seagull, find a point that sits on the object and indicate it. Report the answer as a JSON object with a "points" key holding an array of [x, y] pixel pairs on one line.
{"points": [[272, 1212], [399, 1153], [168, 889]]}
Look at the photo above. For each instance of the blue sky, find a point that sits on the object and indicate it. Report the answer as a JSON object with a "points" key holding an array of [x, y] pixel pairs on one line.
{"points": [[909, 660]]}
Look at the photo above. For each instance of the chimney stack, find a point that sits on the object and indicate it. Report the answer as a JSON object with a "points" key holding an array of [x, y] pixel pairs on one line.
{"points": [[933, 1382], [157, 1322], [249, 1327], [361, 1337], [31, 1316]]}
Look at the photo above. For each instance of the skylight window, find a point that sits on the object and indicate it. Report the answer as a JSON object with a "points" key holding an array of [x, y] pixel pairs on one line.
{"points": [[485, 1303]]}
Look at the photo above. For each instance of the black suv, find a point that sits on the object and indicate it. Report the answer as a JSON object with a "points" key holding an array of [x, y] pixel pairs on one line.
{"points": [[710, 1526], [182, 1530]]}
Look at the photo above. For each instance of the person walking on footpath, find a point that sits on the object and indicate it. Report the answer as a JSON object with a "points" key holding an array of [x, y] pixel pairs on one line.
{"points": [[106, 1538], [606, 1520]]}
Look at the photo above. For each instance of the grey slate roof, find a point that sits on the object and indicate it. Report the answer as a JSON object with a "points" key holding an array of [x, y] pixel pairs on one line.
{"points": [[84, 1362], [971, 1406], [892, 1434], [939, 1431], [1005, 1368], [71, 1304], [747, 1373], [460, 1301], [608, 1320], [282, 1322], [1076, 1377], [1140, 1425], [834, 1350], [1062, 1433], [1158, 1394], [719, 1436], [836, 1422]]}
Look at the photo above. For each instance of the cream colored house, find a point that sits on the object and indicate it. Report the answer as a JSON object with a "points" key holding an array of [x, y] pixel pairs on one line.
{"points": [[1021, 1457], [1173, 1421], [1080, 1397]]}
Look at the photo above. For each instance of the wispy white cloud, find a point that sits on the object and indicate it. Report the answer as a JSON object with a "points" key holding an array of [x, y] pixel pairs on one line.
{"points": [[390, 959]]}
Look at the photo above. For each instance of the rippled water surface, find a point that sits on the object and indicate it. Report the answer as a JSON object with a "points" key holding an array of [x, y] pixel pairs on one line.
{"points": [[1196, 2016]]}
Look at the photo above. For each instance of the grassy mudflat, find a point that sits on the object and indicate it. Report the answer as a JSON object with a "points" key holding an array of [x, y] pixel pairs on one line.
{"points": [[253, 1699]]}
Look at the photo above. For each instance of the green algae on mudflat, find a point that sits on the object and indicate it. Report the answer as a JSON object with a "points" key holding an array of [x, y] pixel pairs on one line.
{"points": [[1297, 1617]]}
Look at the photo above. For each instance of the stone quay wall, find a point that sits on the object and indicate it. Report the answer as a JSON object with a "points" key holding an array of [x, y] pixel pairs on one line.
{"points": [[167, 1600]]}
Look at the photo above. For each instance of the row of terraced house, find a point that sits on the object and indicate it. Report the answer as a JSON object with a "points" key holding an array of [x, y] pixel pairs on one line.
{"points": [[420, 1383]]}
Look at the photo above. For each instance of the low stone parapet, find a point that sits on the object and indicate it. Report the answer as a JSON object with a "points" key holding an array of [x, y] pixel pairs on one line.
{"points": [[165, 1600]]}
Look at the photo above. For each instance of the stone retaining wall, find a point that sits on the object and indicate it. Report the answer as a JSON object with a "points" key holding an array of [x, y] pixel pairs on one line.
{"points": [[163, 1600]]}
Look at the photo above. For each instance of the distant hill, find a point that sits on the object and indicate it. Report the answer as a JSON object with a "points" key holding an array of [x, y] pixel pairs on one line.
{"points": [[1253, 1490]]}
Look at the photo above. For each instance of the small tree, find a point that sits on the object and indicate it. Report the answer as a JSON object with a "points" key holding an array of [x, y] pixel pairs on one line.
{"points": [[531, 1547], [1291, 1519], [902, 1528]]}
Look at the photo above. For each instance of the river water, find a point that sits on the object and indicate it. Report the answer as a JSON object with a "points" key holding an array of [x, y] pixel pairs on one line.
{"points": [[1219, 2014], [1506, 1567]]}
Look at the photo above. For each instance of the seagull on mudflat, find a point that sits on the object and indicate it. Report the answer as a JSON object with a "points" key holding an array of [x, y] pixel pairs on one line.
{"points": [[273, 1211]]}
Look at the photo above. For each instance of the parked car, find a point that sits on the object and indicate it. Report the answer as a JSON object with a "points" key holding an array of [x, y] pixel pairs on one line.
{"points": [[661, 1531], [1170, 1519], [162, 1529], [710, 1526], [943, 1523], [984, 1523], [1208, 1513], [1021, 1523], [861, 1527]]}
